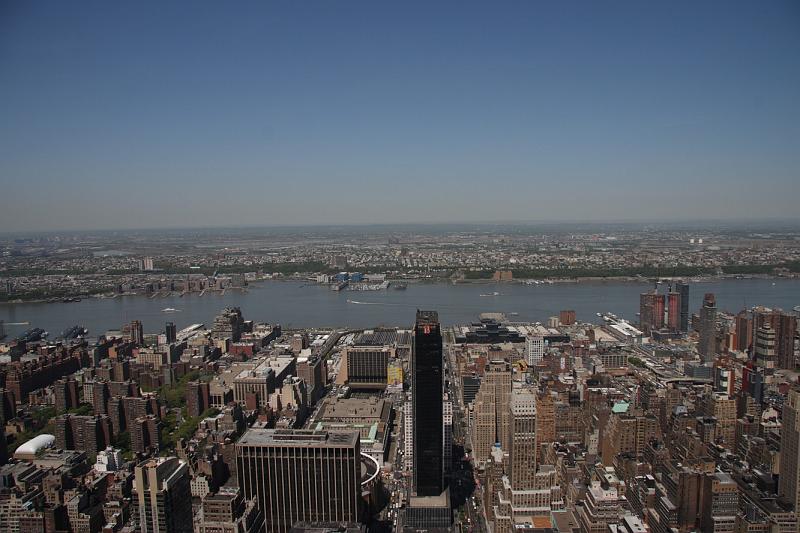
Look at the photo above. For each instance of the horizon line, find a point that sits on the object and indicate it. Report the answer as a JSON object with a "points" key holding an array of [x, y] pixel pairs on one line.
{"points": [[516, 222]]}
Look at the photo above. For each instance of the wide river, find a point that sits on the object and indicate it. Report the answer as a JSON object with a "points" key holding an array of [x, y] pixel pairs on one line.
{"points": [[296, 304]]}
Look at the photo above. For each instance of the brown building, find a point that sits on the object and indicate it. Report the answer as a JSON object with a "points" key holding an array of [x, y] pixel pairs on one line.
{"points": [[743, 328], [298, 342], [312, 371], [503, 275], [789, 479], [145, 437], [66, 394], [720, 499], [674, 311], [137, 333], [134, 407], [545, 421], [784, 327], [566, 317], [87, 433], [301, 475], [100, 396], [683, 485], [24, 377], [627, 433], [229, 324], [198, 397], [651, 311], [787, 333], [163, 496], [707, 345], [492, 420], [723, 409], [123, 388], [228, 512], [121, 370], [116, 413]]}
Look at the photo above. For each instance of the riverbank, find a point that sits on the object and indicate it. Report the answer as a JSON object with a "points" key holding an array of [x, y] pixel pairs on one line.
{"points": [[309, 281], [303, 304], [612, 279]]}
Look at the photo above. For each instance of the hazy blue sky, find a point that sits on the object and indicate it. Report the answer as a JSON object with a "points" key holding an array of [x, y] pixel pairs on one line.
{"points": [[151, 114]]}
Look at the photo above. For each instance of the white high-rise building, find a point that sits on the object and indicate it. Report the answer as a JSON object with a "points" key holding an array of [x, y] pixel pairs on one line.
{"points": [[447, 434], [534, 349], [492, 424], [523, 438], [408, 435], [109, 460], [146, 264]]}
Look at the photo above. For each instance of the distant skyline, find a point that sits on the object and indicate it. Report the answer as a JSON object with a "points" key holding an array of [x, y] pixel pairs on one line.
{"points": [[204, 114], [778, 225]]}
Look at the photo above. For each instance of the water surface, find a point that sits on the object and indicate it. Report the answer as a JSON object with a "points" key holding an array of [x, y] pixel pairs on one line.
{"points": [[295, 304]]}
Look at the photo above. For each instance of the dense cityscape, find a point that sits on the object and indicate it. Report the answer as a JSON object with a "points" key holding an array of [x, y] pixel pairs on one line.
{"points": [[685, 420], [400, 267]]}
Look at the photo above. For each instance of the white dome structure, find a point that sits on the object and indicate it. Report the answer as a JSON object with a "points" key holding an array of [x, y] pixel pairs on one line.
{"points": [[30, 448]]}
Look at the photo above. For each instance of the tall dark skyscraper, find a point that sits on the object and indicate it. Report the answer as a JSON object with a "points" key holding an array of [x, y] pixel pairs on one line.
{"points": [[683, 289], [171, 332], [744, 331], [708, 329], [426, 394]]}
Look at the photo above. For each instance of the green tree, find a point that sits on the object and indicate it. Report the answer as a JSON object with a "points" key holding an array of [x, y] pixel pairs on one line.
{"points": [[635, 361], [122, 441]]}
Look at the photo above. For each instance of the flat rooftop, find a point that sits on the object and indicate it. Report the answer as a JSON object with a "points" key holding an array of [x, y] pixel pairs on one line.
{"points": [[429, 318], [225, 494], [427, 502], [298, 438], [355, 408], [376, 338]]}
